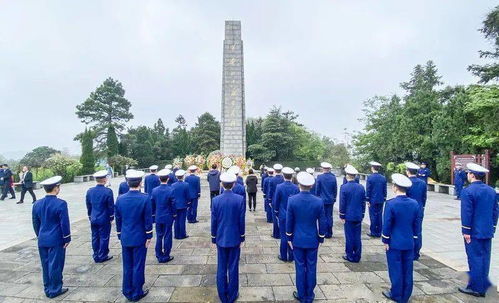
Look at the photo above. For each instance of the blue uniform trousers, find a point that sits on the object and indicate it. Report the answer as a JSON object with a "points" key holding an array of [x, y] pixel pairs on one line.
{"points": [[228, 273], [328, 209], [401, 275], [268, 210], [376, 217], [52, 261], [353, 243], [459, 188], [285, 250], [134, 261], [180, 232], [164, 240], [192, 211], [418, 243], [306, 272], [100, 241], [275, 228], [478, 252]]}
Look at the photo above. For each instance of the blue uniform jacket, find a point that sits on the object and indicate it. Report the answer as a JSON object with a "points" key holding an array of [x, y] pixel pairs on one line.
{"points": [[282, 193], [240, 180], [181, 194], [327, 188], [194, 186], [278, 179], [150, 182], [228, 219], [163, 206], [266, 185], [133, 218], [376, 188], [418, 192], [171, 178], [400, 222], [263, 177], [100, 205], [424, 173], [123, 189], [237, 189], [479, 210], [459, 177], [305, 220], [357, 179], [352, 201], [51, 221]]}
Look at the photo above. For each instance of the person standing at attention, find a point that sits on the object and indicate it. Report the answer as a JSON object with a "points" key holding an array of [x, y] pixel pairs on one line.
{"points": [[376, 197], [251, 188]]}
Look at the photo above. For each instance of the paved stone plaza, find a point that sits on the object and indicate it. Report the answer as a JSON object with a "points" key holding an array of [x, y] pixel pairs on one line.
{"points": [[191, 276]]}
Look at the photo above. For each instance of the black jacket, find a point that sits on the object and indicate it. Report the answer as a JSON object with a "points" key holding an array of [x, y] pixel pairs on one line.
{"points": [[28, 180], [7, 177], [251, 182]]}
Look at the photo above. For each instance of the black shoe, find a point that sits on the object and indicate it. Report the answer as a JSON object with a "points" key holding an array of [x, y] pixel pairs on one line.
{"points": [[12, 198], [371, 235], [283, 260], [19, 202], [142, 296], [470, 292], [165, 261], [387, 294], [106, 259], [295, 295], [63, 291], [345, 258], [328, 237]]}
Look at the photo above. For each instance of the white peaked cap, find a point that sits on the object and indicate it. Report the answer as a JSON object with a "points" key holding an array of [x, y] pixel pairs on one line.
{"points": [[351, 170], [374, 163], [234, 170], [228, 177], [193, 167], [168, 166], [153, 167], [288, 171], [51, 181], [164, 172], [476, 168], [270, 170], [180, 173], [411, 165], [100, 174], [134, 174], [277, 166], [297, 169], [305, 179], [310, 170], [326, 165], [401, 180]]}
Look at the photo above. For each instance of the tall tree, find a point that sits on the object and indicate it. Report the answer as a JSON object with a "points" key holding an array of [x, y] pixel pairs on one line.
{"points": [[276, 135], [107, 111], [206, 134], [38, 156], [87, 158], [181, 139], [112, 142], [489, 72], [254, 131]]}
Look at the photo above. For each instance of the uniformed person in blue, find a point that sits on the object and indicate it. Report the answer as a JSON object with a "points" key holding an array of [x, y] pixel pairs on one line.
{"points": [[282, 193], [278, 179], [352, 210], [124, 188], [182, 201], [263, 175], [151, 181], [460, 178], [194, 193], [305, 228], [134, 227], [479, 213], [172, 179], [327, 189], [164, 207], [417, 192], [400, 228], [311, 171], [100, 210], [357, 177], [265, 184], [51, 225], [227, 232], [237, 188], [376, 196], [424, 172]]}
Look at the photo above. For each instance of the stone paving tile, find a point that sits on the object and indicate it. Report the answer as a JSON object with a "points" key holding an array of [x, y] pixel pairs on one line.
{"points": [[190, 277]]}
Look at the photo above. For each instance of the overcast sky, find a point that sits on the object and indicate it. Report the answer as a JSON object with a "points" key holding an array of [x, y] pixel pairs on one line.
{"points": [[321, 59]]}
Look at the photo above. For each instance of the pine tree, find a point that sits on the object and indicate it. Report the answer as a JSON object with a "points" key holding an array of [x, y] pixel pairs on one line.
{"points": [[87, 158], [112, 142]]}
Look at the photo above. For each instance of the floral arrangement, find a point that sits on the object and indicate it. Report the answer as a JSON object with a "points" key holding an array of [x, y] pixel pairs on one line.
{"points": [[178, 162], [215, 158], [189, 160], [200, 161]]}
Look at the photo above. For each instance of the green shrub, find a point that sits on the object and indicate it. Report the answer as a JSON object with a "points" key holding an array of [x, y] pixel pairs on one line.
{"points": [[64, 166]]}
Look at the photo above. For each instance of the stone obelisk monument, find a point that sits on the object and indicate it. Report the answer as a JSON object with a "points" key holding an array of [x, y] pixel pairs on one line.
{"points": [[233, 125]]}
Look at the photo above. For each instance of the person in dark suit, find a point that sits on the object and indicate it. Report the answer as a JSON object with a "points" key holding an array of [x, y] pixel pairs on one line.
{"points": [[27, 185], [7, 183], [251, 186]]}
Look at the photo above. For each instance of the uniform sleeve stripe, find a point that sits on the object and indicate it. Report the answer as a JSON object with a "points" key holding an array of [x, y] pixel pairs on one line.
{"points": [[67, 236], [466, 227], [213, 237], [415, 237], [322, 236], [119, 232], [149, 232], [242, 235], [386, 237], [289, 234]]}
